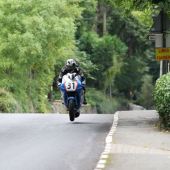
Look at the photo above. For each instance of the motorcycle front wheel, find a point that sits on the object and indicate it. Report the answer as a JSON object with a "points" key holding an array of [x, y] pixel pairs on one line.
{"points": [[71, 107]]}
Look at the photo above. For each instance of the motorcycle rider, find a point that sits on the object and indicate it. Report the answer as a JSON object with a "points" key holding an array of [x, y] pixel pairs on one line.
{"points": [[71, 66]]}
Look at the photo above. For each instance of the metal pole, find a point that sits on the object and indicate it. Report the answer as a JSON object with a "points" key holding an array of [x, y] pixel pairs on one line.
{"points": [[161, 68], [166, 39], [159, 43], [168, 46]]}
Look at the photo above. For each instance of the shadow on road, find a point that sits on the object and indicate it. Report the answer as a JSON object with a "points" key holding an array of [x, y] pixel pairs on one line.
{"points": [[85, 123]]}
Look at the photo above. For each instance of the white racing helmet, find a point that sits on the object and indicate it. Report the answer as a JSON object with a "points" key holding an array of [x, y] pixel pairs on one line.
{"points": [[71, 63]]}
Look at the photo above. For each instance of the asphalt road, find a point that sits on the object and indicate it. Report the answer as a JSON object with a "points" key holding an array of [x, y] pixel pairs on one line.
{"points": [[52, 142]]}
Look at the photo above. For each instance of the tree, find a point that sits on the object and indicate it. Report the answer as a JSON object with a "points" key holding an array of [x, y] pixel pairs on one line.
{"points": [[34, 36], [125, 22]]}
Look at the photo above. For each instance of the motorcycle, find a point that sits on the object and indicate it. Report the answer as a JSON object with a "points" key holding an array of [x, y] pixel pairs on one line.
{"points": [[73, 94]]}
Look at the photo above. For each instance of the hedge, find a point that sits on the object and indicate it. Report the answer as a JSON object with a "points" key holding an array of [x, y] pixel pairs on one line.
{"points": [[162, 100]]}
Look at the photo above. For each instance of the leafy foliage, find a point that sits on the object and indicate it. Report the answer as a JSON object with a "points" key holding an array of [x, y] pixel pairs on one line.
{"points": [[108, 38], [104, 52], [129, 79], [7, 103], [34, 35], [146, 95], [102, 103], [162, 99]]}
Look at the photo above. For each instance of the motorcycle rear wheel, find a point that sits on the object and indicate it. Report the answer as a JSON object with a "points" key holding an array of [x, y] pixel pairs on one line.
{"points": [[71, 107]]}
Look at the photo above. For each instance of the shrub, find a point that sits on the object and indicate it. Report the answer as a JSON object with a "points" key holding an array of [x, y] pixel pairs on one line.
{"points": [[162, 99], [146, 95], [7, 102], [103, 103]]}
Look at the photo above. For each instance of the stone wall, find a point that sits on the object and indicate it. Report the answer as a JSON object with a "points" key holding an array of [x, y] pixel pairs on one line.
{"points": [[58, 107]]}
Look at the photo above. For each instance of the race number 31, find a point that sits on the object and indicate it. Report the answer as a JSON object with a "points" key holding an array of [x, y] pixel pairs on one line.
{"points": [[71, 86]]}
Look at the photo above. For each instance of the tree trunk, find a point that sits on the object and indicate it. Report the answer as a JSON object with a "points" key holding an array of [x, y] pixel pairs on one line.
{"points": [[104, 11]]}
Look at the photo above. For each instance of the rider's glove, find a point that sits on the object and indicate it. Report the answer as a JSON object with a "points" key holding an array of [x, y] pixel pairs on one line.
{"points": [[59, 84], [83, 82]]}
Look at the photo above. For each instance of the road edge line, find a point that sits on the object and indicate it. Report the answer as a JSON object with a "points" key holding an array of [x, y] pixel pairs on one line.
{"points": [[104, 157]]}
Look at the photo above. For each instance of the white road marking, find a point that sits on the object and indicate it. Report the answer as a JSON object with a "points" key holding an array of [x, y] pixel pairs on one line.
{"points": [[101, 166], [104, 156], [108, 144]]}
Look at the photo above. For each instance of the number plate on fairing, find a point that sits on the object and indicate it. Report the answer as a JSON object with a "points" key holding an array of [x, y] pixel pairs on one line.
{"points": [[71, 85]]}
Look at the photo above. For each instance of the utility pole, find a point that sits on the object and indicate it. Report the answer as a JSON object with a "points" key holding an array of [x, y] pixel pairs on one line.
{"points": [[159, 44], [161, 25], [165, 26], [168, 45]]}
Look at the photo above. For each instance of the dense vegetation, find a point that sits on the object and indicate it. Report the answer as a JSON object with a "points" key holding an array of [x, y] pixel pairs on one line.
{"points": [[34, 36], [114, 37], [108, 38], [162, 99]]}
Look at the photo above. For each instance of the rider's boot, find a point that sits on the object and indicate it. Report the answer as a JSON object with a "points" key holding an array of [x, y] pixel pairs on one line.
{"points": [[62, 98], [85, 101]]}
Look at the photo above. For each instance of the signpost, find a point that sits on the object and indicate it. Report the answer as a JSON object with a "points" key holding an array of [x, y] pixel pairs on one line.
{"points": [[159, 34], [163, 54], [152, 37]]}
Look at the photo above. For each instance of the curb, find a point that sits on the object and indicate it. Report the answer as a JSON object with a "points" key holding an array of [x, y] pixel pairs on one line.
{"points": [[108, 145]]}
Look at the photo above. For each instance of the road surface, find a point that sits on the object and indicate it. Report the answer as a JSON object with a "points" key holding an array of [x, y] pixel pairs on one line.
{"points": [[51, 141], [138, 144]]}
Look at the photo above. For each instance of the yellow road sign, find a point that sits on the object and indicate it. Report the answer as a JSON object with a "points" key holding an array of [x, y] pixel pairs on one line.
{"points": [[163, 53]]}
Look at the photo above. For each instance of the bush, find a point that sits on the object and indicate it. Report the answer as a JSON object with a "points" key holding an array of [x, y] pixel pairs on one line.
{"points": [[7, 102], [146, 95], [162, 99], [103, 103]]}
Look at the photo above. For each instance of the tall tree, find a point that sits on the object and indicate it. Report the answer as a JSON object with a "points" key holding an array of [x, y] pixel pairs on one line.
{"points": [[34, 36]]}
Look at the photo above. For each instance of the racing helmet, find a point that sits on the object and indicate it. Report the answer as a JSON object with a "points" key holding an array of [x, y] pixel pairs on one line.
{"points": [[71, 63]]}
